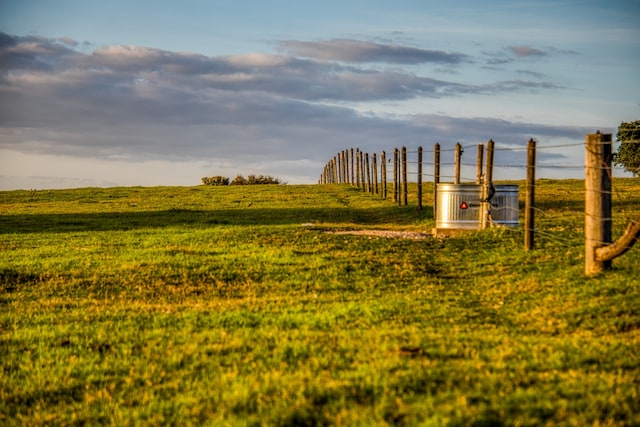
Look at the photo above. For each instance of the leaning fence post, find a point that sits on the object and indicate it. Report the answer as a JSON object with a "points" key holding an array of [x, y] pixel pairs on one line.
{"points": [[529, 223]]}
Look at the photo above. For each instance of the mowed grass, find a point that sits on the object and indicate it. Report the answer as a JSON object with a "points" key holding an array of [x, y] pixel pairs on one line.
{"points": [[234, 306]]}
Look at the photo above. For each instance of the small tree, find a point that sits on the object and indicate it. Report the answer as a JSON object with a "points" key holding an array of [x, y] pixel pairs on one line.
{"points": [[628, 154]]}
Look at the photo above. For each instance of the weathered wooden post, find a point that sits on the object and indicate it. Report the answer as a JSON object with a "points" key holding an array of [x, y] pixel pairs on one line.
{"points": [[366, 157], [353, 181], [458, 158], [395, 175], [362, 172], [530, 200], [383, 172], [374, 169], [479, 163], [358, 167], [420, 178], [487, 188], [345, 167], [405, 187], [599, 252], [436, 177], [597, 200]]}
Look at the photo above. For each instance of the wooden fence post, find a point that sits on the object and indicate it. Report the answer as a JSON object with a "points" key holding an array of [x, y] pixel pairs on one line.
{"points": [[529, 223], [395, 175], [405, 187], [358, 153], [366, 156], [345, 167], [352, 169], [436, 177], [374, 169], [458, 158], [420, 178], [383, 172], [479, 163], [487, 188], [597, 199]]}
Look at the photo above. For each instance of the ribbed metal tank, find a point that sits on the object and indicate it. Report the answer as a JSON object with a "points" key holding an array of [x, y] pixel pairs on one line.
{"points": [[459, 206], [504, 205]]}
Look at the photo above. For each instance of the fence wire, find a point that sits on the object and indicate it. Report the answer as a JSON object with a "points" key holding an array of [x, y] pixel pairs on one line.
{"points": [[557, 213]]}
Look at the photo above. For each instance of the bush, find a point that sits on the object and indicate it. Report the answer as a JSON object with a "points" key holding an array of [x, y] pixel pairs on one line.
{"points": [[239, 180], [256, 180], [215, 180]]}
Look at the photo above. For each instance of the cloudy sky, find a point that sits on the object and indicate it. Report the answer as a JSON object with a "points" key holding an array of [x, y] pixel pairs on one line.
{"points": [[109, 93]]}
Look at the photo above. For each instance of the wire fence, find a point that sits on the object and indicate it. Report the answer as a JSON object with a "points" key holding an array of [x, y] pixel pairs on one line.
{"points": [[559, 171]]}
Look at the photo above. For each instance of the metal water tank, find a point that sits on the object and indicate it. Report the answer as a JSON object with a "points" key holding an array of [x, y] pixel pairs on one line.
{"points": [[459, 206], [504, 205]]}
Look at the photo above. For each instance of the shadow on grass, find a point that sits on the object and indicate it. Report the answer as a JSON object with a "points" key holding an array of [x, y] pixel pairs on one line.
{"points": [[122, 221]]}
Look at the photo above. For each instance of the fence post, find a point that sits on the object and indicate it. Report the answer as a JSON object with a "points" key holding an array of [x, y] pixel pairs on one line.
{"points": [[405, 187], [597, 199], [358, 167], [420, 178], [479, 163], [395, 174], [436, 177], [383, 173], [345, 167], [487, 188], [367, 168], [352, 170], [529, 223], [374, 169], [458, 158]]}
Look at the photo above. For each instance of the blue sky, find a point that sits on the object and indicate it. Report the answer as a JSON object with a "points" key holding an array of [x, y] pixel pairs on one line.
{"points": [[163, 93]]}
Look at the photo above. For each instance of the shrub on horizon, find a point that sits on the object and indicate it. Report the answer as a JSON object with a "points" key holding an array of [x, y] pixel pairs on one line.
{"points": [[215, 180]]}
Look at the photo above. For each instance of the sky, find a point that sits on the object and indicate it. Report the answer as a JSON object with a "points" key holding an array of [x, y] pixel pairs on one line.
{"points": [[122, 93]]}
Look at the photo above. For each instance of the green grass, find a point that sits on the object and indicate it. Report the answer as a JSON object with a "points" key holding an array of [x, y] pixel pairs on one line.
{"points": [[233, 306]]}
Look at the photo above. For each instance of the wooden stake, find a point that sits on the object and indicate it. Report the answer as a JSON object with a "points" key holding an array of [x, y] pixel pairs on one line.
{"points": [[529, 223], [436, 177], [597, 199], [458, 159], [479, 163], [420, 178], [405, 188]]}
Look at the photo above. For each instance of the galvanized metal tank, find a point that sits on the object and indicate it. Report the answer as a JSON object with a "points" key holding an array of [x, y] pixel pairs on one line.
{"points": [[459, 206], [504, 205]]}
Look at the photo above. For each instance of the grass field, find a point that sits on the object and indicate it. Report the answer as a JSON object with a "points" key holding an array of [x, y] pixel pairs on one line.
{"points": [[234, 306]]}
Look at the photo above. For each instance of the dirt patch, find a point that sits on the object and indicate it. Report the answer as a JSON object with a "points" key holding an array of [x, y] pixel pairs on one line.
{"points": [[389, 234]]}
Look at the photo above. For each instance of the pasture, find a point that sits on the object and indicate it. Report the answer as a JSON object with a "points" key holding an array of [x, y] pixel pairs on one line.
{"points": [[236, 306]]}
